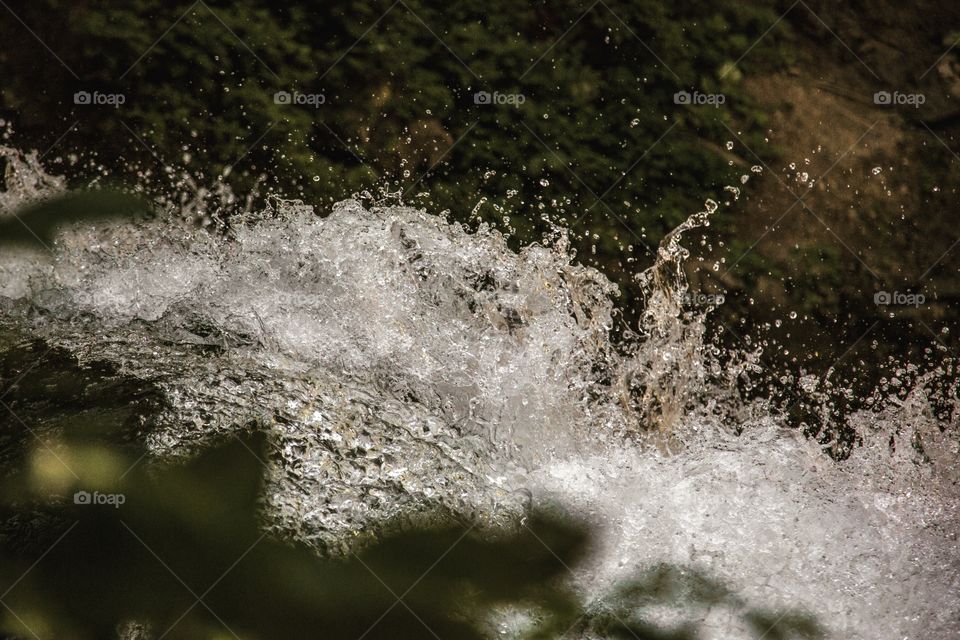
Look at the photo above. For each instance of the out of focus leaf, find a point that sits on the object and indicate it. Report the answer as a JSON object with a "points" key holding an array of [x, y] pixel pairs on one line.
{"points": [[182, 548], [36, 225]]}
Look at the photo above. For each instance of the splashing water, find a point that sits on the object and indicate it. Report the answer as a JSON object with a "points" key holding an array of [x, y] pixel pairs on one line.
{"points": [[398, 359]]}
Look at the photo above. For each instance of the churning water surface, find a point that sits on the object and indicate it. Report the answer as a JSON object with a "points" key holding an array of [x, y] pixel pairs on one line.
{"points": [[398, 359]]}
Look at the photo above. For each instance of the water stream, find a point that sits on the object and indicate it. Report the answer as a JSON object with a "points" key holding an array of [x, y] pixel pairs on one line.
{"points": [[399, 359]]}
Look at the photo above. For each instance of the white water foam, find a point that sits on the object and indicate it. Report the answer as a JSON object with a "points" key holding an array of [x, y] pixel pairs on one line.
{"points": [[399, 359]]}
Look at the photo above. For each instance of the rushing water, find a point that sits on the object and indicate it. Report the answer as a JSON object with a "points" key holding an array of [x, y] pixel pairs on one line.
{"points": [[398, 359]]}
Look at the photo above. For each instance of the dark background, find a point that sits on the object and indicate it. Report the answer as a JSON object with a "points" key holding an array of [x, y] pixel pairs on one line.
{"points": [[854, 197]]}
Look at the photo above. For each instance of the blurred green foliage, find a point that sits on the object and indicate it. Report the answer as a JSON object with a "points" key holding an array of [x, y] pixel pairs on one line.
{"points": [[36, 225], [181, 550]]}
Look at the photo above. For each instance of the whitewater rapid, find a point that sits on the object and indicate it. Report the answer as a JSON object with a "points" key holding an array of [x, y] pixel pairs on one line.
{"points": [[398, 359]]}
